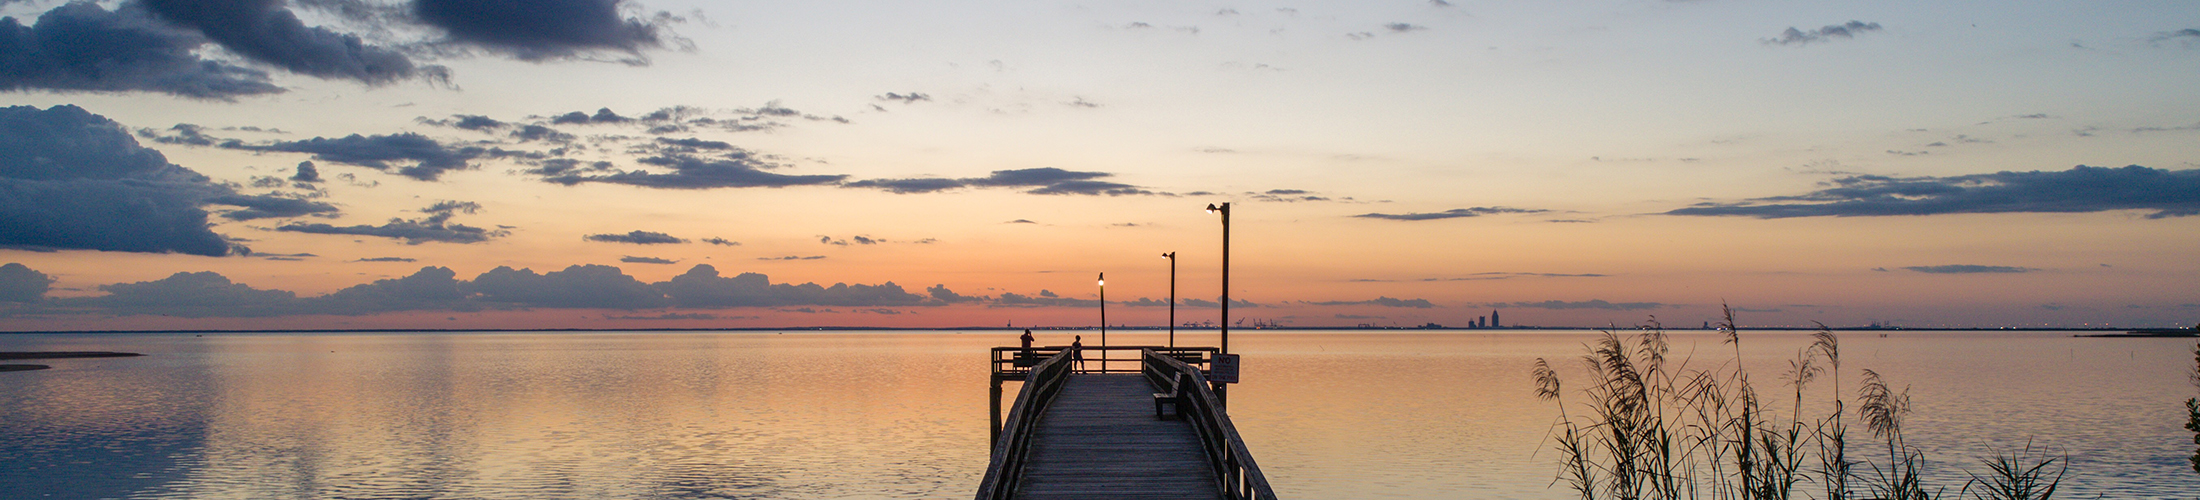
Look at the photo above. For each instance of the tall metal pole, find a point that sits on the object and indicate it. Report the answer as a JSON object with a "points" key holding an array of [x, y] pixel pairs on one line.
{"points": [[1222, 394], [1225, 277], [1103, 322], [1172, 298]]}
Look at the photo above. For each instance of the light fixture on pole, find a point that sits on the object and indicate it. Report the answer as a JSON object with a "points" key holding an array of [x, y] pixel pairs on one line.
{"points": [[1172, 297], [1103, 321]]}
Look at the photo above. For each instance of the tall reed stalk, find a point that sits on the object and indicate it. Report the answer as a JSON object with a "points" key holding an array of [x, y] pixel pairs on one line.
{"points": [[2192, 409], [1656, 428]]}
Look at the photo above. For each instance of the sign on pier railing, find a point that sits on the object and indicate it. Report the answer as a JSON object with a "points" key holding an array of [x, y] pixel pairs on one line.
{"points": [[1223, 368]]}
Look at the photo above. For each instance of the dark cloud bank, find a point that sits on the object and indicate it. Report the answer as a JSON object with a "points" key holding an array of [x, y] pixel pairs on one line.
{"points": [[209, 294], [2168, 193], [70, 179], [153, 45]]}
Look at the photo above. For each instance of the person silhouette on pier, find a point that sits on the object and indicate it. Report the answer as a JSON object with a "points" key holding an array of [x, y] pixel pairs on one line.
{"points": [[1027, 357], [1077, 353]]}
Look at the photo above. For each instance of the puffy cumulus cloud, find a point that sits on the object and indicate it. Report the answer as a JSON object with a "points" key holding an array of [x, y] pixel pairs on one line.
{"points": [[436, 227], [209, 294], [637, 237], [428, 159], [1451, 214], [307, 173], [70, 179], [2168, 193], [1380, 301], [429, 289], [581, 286], [191, 295], [20, 283], [702, 287], [942, 294], [1799, 37], [81, 46], [545, 29], [1044, 180], [267, 32], [1044, 299], [531, 133], [1969, 269], [737, 170], [722, 242], [1588, 304]]}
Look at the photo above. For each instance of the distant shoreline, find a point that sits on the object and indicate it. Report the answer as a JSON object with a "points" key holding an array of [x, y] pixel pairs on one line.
{"points": [[1020, 328]]}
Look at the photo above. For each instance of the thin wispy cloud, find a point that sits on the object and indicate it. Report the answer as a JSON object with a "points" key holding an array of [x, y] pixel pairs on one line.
{"points": [[407, 154], [691, 172], [1378, 301], [436, 227], [1043, 180], [1587, 304], [638, 237], [1969, 269], [2167, 193], [1486, 276], [1798, 37], [1450, 214]]}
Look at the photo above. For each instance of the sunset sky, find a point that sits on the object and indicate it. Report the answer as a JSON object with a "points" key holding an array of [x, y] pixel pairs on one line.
{"points": [[172, 164]]}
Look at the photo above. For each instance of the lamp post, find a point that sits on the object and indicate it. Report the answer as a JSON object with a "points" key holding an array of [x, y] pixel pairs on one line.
{"points": [[1172, 297], [1103, 322], [1225, 211], [1222, 394]]}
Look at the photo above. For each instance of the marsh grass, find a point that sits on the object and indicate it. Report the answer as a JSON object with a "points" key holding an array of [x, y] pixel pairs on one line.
{"points": [[1655, 427], [2192, 408]]}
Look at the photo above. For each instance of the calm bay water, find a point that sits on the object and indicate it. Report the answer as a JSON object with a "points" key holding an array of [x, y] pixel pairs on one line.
{"points": [[902, 414]]}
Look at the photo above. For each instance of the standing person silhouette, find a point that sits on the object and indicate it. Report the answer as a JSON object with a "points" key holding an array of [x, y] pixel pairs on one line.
{"points": [[1027, 358], [1077, 353]]}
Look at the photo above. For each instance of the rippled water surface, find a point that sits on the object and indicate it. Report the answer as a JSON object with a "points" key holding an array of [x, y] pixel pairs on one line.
{"points": [[903, 414]]}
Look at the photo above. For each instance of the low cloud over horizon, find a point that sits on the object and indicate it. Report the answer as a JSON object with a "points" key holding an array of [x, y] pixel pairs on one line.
{"points": [[2168, 193]]}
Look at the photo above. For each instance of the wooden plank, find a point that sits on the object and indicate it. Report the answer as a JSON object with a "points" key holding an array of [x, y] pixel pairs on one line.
{"points": [[1100, 440]]}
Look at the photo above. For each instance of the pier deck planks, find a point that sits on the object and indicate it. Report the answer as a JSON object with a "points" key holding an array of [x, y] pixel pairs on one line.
{"points": [[1100, 440]]}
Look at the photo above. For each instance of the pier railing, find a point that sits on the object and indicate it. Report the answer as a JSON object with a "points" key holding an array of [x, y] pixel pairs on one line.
{"points": [[1042, 383], [1015, 363], [1234, 467]]}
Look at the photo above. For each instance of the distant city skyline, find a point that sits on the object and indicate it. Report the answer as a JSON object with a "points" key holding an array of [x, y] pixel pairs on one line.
{"points": [[679, 164]]}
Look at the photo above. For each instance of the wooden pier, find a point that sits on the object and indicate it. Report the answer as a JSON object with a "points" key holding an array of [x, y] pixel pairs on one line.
{"points": [[1112, 431]]}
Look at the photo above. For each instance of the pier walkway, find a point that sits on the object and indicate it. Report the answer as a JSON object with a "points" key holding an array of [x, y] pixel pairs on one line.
{"points": [[1157, 431]]}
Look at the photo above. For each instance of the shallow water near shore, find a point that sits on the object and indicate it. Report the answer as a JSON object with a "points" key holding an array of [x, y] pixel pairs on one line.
{"points": [[1408, 414]]}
